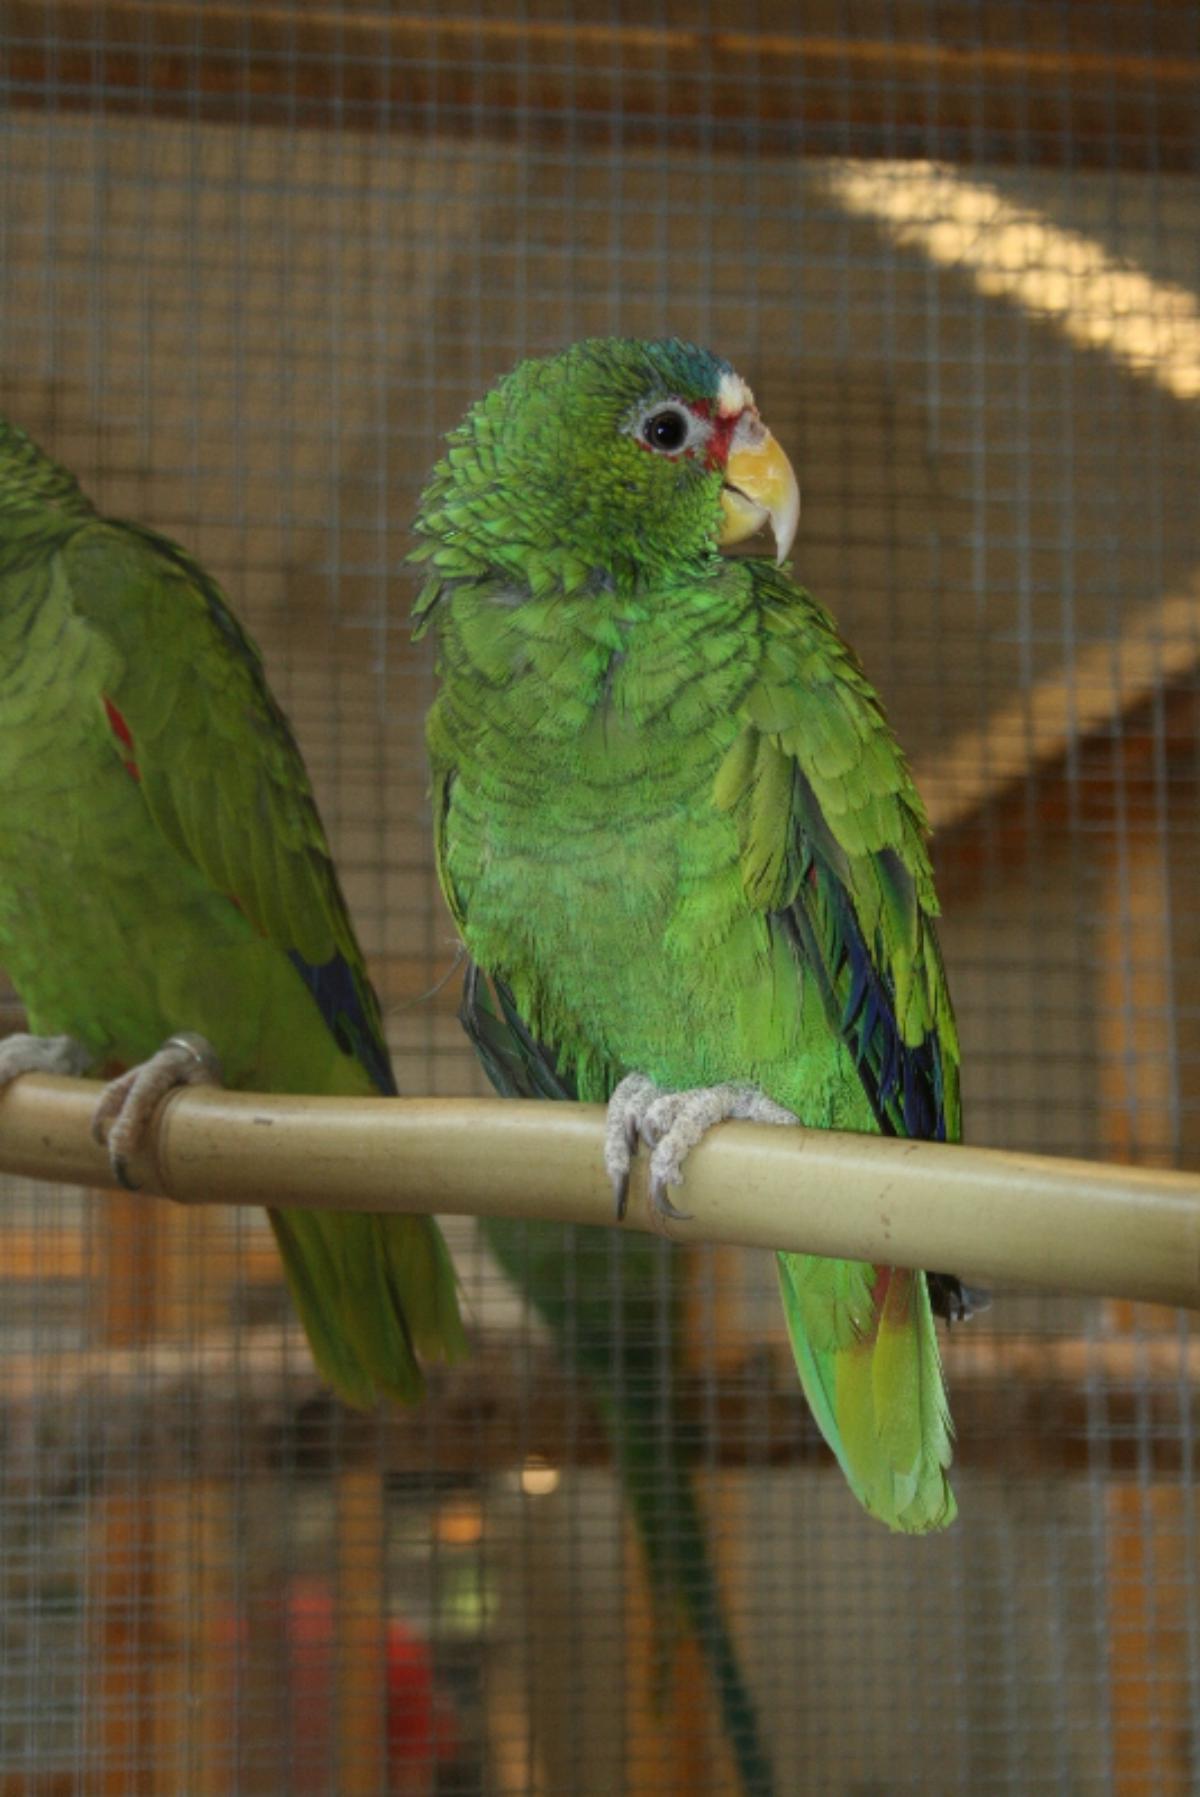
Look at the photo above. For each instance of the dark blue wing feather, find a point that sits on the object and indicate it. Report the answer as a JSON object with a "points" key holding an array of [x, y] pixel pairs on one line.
{"points": [[349, 1016], [518, 1065], [903, 1082]]}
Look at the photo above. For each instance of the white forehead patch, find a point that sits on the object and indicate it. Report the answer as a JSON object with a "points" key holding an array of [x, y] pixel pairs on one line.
{"points": [[733, 396]]}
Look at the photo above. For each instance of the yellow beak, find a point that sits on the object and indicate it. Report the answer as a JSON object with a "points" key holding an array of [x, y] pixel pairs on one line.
{"points": [[760, 488]]}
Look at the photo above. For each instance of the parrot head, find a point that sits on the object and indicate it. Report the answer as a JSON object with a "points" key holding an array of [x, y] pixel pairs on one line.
{"points": [[607, 462]]}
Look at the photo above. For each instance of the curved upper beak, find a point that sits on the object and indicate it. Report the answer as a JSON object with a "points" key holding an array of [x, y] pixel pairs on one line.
{"points": [[760, 488]]}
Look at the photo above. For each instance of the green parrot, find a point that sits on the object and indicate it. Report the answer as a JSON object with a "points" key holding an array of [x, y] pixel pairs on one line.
{"points": [[165, 880], [680, 842]]}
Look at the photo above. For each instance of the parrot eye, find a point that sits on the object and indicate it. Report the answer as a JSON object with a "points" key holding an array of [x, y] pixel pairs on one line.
{"points": [[667, 429]]}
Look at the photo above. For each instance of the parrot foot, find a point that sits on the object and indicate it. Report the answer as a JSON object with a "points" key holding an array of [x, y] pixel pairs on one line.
{"points": [[41, 1054], [128, 1104], [671, 1124]]}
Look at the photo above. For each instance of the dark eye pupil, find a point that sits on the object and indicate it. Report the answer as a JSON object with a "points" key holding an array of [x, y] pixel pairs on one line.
{"points": [[666, 430]]}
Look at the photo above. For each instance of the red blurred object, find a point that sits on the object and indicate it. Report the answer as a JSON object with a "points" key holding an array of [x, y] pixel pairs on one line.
{"points": [[422, 1728]]}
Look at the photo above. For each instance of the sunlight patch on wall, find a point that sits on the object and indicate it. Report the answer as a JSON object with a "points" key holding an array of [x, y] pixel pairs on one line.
{"points": [[1014, 252]]}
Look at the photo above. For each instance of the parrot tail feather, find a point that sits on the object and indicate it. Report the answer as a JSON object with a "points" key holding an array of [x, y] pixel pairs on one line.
{"points": [[671, 1528], [374, 1292], [868, 1360]]}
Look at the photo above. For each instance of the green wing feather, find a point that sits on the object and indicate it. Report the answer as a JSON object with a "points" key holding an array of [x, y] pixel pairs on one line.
{"points": [[833, 850], [219, 766], [225, 785]]}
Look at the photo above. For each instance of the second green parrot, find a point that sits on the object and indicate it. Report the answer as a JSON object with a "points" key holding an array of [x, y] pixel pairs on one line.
{"points": [[168, 906]]}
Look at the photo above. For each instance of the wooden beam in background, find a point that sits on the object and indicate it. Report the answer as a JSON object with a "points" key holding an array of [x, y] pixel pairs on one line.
{"points": [[1150, 1592], [1085, 87], [360, 1630], [1150, 1523], [1031, 1406], [1159, 649], [1110, 783]]}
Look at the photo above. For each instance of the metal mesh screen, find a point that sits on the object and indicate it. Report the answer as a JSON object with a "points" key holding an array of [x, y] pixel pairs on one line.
{"points": [[254, 261]]}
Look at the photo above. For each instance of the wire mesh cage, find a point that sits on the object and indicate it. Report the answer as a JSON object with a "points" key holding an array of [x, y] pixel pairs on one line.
{"points": [[255, 261]]}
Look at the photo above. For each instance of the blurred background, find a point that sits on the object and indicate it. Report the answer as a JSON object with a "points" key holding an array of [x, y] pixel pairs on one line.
{"points": [[254, 260]]}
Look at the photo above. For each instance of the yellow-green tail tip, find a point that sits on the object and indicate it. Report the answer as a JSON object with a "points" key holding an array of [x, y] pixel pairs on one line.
{"points": [[867, 1355]]}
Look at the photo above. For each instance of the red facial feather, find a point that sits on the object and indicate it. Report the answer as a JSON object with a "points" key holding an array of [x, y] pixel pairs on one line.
{"points": [[721, 429]]}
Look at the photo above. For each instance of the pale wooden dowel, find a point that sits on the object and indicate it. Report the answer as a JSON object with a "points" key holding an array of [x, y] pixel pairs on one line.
{"points": [[1009, 1218]]}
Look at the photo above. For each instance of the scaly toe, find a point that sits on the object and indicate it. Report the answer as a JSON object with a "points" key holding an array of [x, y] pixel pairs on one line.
{"points": [[661, 1116], [622, 1130], [21, 1053], [108, 1106]]}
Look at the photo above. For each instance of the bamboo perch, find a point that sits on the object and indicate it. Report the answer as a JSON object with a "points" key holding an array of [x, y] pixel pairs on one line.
{"points": [[1005, 1218]]}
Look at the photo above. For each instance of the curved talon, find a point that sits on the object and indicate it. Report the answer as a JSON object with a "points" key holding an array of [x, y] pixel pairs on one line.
{"points": [[120, 1169], [663, 1205], [620, 1186]]}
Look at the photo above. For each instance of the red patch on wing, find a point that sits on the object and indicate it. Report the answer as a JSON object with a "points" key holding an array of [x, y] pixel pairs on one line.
{"points": [[124, 736], [240, 908]]}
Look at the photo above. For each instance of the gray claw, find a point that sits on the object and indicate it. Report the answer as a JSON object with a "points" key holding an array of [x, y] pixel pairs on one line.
{"points": [[663, 1205], [620, 1188]]}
